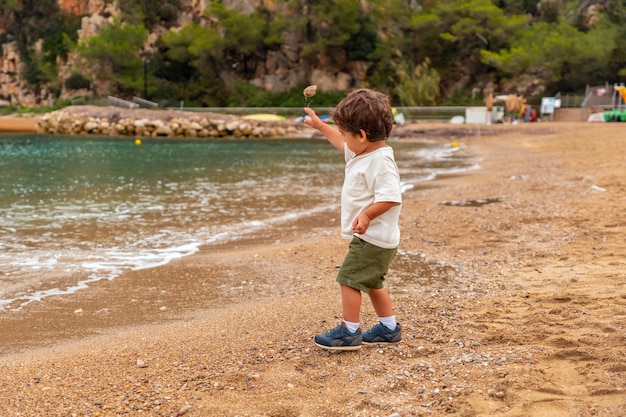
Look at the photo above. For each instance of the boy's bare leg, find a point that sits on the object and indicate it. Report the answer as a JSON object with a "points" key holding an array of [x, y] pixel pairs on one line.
{"points": [[351, 302], [381, 302], [346, 336], [388, 330]]}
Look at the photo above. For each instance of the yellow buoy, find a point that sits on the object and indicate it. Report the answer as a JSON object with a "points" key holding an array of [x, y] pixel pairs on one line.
{"points": [[137, 141], [455, 144]]}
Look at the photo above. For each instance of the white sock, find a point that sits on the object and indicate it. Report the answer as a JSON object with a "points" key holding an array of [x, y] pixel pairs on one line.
{"points": [[352, 327], [389, 322]]}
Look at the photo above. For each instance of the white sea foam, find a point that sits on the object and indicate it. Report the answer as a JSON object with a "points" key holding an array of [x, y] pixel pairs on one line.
{"points": [[109, 263]]}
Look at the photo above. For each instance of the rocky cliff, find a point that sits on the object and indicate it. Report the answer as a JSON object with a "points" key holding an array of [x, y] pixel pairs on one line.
{"points": [[10, 84], [310, 44], [281, 71], [13, 90], [96, 14], [79, 7]]}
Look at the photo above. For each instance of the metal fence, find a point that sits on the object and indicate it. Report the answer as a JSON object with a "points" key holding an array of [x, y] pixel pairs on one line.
{"points": [[569, 100], [410, 113], [436, 113]]}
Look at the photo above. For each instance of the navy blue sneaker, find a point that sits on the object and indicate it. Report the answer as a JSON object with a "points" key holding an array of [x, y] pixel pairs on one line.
{"points": [[380, 334], [339, 338]]}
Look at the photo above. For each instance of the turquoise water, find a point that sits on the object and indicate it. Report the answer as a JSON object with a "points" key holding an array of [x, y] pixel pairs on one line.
{"points": [[77, 210]]}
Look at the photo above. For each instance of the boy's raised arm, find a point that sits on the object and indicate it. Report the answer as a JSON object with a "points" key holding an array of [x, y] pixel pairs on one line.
{"points": [[330, 133]]}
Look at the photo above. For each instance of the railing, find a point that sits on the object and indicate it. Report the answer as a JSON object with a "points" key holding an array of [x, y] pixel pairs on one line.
{"points": [[410, 113], [417, 113], [122, 103], [145, 103], [283, 111], [570, 99], [595, 99], [432, 112]]}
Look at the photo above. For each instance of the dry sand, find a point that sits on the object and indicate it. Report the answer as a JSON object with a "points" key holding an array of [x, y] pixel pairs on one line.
{"points": [[15, 123], [510, 284]]}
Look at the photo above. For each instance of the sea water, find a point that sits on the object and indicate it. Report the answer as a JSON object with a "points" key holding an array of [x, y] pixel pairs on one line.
{"points": [[74, 210]]}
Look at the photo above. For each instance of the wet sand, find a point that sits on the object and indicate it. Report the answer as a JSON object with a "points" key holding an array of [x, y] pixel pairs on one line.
{"points": [[510, 284]]}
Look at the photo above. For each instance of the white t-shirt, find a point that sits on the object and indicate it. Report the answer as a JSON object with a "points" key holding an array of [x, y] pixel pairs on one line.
{"points": [[371, 178]]}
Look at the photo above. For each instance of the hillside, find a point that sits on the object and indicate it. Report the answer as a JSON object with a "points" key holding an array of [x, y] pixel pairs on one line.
{"points": [[259, 52]]}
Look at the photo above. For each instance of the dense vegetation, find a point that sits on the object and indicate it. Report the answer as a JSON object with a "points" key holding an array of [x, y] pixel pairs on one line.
{"points": [[421, 52]]}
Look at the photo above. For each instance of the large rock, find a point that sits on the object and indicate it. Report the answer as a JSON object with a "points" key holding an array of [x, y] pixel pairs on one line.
{"points": [[79, 7]]}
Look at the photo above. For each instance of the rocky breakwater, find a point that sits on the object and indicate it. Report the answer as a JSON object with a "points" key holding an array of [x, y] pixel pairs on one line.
{"points": [[114, 121]]}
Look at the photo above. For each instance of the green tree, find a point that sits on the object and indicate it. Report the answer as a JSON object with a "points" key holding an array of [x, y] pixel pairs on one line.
{"points": [[418, 86], [617, 60], [616, 13], [511, 7], [10, 5], [150, 13], [193, 45], [278, 24], [449, 33], [549, 10], [214, 58], [324, 26], [362, 44], [8, 9], [465, 28], [29, 21], [114, 55], [242, 36], [418, 51], [556, 55], [397, 46], [194, 62]]}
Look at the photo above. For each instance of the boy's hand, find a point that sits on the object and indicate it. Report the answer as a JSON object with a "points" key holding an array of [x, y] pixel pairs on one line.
{"points": [[313, 121], [332, 135], [361, 223]]}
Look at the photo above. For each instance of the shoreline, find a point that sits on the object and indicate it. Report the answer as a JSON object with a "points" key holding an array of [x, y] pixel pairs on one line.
{"points": [[512, 307]]}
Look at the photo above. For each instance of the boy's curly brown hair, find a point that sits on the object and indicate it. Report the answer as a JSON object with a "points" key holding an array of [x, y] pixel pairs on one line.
{"points": [[368, 110]]}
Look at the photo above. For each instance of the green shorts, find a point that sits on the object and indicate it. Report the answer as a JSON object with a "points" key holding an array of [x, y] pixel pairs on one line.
{"points": [[365, 265]]}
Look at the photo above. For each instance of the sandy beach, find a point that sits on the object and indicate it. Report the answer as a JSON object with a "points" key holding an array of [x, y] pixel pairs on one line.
{"points": [[14, 123], [510, 283]]}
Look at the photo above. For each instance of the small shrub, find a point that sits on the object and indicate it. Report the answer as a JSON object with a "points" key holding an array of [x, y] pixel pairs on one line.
{"points": [[77, 81]]}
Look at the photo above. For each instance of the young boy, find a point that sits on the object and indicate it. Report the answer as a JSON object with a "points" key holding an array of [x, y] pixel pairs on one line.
{"points": [[370, 208]]}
